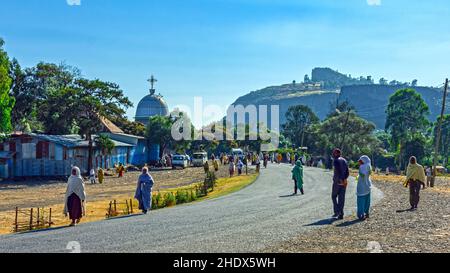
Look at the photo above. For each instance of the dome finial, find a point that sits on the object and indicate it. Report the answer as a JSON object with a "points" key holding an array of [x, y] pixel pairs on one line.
{"points": [[152, 81]]}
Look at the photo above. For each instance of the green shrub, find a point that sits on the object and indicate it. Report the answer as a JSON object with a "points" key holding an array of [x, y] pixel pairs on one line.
{"points": [[193, 195], [182, 197], [157, 201], [200, 190], [170, 200], [210, 182]]}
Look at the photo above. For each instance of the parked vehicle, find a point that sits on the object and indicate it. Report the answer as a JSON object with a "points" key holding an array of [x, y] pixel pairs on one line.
{"points": [[180, 161], [199, 159]]}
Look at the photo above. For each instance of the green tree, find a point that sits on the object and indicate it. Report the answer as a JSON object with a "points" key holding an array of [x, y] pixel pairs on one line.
{"points": [[159, 131], [359, 138], [129, 127], [106, 146], [406, 117], [298, 119], [415, 146], [6, 101], [57, 113], [181, 122], [94, 99], [384, 139], [44, 95]]}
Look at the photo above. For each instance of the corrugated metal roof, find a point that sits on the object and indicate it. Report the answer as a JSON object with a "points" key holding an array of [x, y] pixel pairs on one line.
{"points": [[110, 126], [73, 141], [128, 135]]}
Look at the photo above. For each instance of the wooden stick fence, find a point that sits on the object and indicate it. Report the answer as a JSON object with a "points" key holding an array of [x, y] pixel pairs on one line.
{"points": [[32, 219], [120, 208]]}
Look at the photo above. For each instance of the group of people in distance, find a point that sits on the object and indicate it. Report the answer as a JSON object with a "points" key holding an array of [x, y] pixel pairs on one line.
{"points": [[99, 174], [415, 180], [75, 198]]}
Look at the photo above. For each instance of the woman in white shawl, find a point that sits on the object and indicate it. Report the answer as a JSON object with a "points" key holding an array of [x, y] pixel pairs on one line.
{"points": [[75, 197], [363, 188]]}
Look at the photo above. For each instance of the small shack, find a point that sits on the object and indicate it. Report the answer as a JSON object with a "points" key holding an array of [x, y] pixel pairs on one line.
{"points": [[33, 155]]}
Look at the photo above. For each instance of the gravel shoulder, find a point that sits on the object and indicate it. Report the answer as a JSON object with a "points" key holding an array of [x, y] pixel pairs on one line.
{"points": [[391, 226]]}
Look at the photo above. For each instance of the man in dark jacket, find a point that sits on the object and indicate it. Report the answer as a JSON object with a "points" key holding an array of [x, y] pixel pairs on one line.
{"points": [[340, 176]]}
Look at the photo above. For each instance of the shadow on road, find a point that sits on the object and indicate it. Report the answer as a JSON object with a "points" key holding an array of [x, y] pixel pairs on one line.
{"points": [[323, 222], [349, 223], [43, 230], [289, 195], [125, 216], [404, 210]]}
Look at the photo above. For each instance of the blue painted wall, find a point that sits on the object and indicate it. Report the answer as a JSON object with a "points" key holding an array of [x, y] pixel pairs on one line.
{"points": [[138, 154], [153, 154]]}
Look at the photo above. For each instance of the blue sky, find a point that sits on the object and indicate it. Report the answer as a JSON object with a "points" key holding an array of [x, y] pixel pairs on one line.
{"points": [[222, 49]]}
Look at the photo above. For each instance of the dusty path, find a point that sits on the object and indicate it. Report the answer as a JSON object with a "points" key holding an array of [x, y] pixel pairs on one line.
{"points": [[391, 227], [31, 193]]}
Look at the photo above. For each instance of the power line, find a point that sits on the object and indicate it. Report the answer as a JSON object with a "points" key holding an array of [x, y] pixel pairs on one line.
{"points": [[438, 137]]}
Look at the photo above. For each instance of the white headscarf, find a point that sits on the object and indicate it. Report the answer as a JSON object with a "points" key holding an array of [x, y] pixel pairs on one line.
{"points": [[75, 184], [365, 168]]}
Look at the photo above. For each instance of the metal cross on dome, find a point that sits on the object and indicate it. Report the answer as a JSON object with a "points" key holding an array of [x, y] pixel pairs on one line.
{"points": [[152, 81]]}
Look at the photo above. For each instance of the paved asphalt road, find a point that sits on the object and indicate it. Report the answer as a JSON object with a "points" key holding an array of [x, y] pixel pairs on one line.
{"points": [[246, 221]]}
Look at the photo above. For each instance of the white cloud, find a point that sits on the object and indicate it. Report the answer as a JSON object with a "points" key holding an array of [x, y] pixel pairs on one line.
{"points": [[374, 2], [73, 2]]}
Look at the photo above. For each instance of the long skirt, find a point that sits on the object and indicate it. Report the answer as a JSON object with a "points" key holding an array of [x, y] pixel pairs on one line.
{"points": [[145, 200], [363, 206], [414, 193], [74, 207]]}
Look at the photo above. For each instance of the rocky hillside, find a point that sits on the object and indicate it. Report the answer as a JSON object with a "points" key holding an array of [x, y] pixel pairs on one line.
{"points": [[371, 101], [327, 87], [318, 100]]}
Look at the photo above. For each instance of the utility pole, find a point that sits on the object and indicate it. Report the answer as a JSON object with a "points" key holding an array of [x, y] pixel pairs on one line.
{"points": [[345, 128], [438, 137]]}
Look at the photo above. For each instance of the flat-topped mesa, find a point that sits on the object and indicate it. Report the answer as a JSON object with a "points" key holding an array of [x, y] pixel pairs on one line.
{"points": [[326, 87]]}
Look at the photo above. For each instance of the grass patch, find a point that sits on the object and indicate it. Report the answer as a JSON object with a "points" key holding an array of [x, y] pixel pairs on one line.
{"points": [[226, 186]]}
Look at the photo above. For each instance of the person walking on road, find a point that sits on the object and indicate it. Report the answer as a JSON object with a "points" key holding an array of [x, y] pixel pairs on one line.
{"points": [[144, 191], [121, 170], [279, 158], [216, 165], [415, 177], [100, 175], [363, 188], [75, 197], [92, 176], [206, 167], [297, 176], [231, 168], [240, 166], [258, 164], [429, 174], [340, 176]]}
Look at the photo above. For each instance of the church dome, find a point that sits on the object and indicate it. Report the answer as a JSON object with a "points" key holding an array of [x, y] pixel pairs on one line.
{"points": [[149, 106]]}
